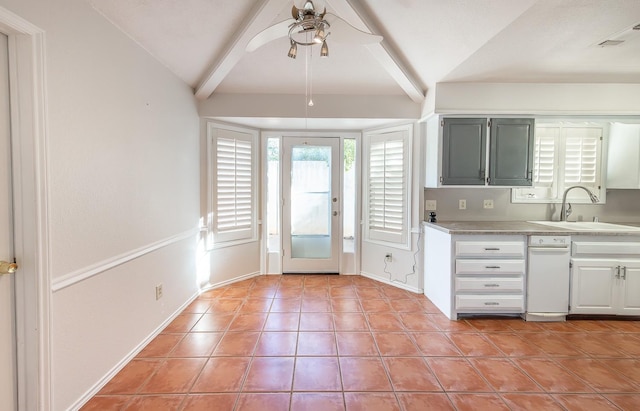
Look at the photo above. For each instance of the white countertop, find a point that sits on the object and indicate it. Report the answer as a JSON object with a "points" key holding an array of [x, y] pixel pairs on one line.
{"points": [[519, 228]]}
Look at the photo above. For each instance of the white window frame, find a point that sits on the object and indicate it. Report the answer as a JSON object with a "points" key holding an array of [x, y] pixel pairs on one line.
{"points": [[395, 238], [552, 192], [217, 238]]}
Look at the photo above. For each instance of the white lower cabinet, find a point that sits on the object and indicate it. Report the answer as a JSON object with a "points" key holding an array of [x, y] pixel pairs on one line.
{"points": [[605, 286], [475, 274], [492, 280]]}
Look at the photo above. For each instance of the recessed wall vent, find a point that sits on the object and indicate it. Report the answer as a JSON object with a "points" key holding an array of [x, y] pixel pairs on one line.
{"points": [[631, 33], [610, 43]]}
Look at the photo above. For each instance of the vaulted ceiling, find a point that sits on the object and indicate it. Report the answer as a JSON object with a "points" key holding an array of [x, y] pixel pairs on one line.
{"points": [[425, 42]]}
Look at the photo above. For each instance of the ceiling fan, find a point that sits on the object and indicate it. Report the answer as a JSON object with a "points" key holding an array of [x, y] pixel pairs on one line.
{"points": [[308, 27]]}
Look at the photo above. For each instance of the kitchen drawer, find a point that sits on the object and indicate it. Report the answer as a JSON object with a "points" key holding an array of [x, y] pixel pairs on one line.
{"points": [[588, 248], [490, 249], [469, 303], [489, 284], [493, 267]]}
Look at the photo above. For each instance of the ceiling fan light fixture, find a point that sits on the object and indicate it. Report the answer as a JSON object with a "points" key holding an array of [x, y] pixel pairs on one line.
{"points": [[293, 50], [319, 36], [309, 28], [308, 6], [324, 50]]}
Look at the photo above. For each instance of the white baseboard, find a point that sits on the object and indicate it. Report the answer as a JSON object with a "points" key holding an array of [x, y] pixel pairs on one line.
{"points": [[116, 369], [210, 286], [393, 283]]}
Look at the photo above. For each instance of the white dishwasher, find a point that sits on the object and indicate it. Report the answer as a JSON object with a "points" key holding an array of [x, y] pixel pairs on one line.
{"points": [[548, 278]]}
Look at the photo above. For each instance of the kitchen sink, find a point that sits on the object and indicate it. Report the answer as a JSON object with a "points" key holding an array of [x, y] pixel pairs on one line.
{"points": [[588, 226]]}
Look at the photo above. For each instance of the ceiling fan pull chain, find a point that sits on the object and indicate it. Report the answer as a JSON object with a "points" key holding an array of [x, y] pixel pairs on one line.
{"points": [[310, 78]]}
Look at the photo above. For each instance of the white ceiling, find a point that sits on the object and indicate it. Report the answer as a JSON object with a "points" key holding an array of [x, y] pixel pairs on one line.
{"points": [[425, 42]]}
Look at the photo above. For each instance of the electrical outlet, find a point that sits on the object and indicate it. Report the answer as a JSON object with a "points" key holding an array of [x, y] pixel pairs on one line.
{"points": [[158, 291], [388, 258], [488, 203], [462, 204], [430, 205]]}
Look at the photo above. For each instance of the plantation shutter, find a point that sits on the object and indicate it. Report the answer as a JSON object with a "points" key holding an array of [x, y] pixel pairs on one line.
{"points": [[388, 184], [234, 215], [544, 156], [581, 157]]}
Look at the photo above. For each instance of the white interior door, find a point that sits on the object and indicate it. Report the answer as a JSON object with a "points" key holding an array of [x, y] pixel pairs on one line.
{"points": [[311, 205], [8, 391]]}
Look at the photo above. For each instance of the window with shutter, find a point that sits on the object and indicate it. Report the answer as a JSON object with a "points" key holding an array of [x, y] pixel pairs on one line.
{"points": [[544, 156], [388, 182], [564, 156], [582, 165], [233, 201]]}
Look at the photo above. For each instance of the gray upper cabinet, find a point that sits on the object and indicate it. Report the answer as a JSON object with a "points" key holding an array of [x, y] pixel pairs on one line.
{"points": [[511, 151], [464, 151]]}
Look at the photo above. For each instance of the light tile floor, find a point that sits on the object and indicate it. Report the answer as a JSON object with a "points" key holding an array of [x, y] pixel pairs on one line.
{"points": [[329, 343]]}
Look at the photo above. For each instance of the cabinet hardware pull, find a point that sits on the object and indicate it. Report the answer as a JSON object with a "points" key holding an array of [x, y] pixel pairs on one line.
{"points": [[618, 272], [624, 272], [491, 266], [491, 249], [492, 285], [491, 303]]}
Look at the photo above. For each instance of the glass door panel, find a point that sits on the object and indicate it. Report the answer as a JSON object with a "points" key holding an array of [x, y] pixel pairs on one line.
{"points": [[311, 205]]}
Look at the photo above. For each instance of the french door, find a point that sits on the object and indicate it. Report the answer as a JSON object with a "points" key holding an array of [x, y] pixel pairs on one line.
{"points": [[311, 230], [8, 390]]}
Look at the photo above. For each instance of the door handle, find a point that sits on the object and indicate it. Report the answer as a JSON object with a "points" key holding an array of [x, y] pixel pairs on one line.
{"points": [[335, 213], [624, 272], [7, 267], [618, 272]]}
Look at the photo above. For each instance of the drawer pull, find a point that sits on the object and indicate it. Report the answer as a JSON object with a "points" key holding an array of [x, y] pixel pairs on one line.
{"points": [[492, 249], [491, 266], [491, 303], [492, 285]]}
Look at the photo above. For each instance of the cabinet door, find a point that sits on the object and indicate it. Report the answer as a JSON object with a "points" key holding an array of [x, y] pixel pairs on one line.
{"points": [[630, 287], [511, 152], [623, 164], [464, 151], [593, 286]]}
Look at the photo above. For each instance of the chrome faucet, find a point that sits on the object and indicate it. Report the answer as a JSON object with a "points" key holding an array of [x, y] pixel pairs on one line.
{"points": [[565, 211]]}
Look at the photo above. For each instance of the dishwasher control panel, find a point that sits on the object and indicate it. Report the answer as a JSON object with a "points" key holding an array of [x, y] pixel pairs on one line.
{"points": [[550, 240]]}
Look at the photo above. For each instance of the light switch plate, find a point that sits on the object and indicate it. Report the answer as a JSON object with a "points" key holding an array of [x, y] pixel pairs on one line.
{"points": [[430, 205]]}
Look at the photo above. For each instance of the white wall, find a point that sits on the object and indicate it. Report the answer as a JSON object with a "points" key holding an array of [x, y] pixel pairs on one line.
{"points": [[326, 106], [123, 176], [400, 271], [537, 98], [230, 264]]}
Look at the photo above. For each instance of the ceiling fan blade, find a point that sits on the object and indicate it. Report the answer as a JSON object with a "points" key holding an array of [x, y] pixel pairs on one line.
{"points": [[269, 34], [343, 32]]}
